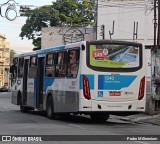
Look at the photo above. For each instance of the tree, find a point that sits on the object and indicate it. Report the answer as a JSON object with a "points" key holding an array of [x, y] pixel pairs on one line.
{"points": [[12, 53], [38, 18], [60, 13], [75, 12]]}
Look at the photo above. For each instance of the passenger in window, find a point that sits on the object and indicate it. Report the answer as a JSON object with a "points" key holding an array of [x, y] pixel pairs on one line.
{"points": [[60, 58], [49, 73], [57, 72], [62, 71], [73, 57]]}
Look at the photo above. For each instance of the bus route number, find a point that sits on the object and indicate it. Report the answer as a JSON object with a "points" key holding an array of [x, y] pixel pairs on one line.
{"points": [[109, 78]]}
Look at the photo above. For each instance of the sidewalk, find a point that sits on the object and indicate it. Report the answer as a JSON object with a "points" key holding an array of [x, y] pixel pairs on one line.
{"points": [[140, 118]]}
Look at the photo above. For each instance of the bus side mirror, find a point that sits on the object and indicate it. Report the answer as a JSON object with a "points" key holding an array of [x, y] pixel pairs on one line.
{"points": [[83, 47]]}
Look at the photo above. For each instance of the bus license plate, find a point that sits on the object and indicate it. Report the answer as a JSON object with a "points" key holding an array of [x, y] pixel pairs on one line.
{"points": [[115, 93]]}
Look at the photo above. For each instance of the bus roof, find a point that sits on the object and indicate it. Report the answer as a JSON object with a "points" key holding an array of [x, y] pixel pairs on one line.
{"points": [[67, 46], [51, 49]]}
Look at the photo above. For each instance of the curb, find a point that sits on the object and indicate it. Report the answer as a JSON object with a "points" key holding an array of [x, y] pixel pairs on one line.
{"points": [[139, 118]]}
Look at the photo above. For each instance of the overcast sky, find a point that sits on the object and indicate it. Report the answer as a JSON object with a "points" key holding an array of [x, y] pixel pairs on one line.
{"points": [[12, 29]]}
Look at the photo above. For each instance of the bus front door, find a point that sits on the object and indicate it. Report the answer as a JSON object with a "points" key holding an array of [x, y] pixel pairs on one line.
{"points": [[40, 75], [24, 97]]}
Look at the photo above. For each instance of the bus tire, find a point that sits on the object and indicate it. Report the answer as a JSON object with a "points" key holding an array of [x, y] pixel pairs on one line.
{"points": [[22, 108], [50, 108], [99, 117]]}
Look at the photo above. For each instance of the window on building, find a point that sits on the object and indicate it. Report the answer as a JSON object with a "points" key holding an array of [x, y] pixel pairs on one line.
{"points": [[7, 60], [6, 50]]}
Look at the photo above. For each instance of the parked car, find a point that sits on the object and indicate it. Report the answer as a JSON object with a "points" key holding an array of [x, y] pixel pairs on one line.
{"points": [[4, 89]]}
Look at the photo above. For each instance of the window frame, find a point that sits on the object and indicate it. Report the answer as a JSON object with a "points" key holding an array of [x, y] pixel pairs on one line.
{"points": [[32, 66], [54, 59], [76, 63], [60, 65], [102, 69], [20, 66]]}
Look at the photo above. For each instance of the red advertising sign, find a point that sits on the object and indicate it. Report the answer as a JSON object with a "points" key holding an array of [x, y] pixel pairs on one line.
{"points": [[115, 93], [98, 54]]}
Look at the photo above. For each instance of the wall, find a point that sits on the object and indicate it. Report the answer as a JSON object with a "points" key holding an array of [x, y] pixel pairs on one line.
{"points": [[124, 13], [4, 60], [54, 36]]}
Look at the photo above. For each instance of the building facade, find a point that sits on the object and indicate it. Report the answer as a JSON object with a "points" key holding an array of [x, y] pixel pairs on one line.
{"points": [[132, 20], [129, 20], [4, 60], [54, 36]]}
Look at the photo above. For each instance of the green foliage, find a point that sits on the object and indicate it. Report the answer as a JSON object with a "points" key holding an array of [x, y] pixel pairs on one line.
{"points": [[61, 13], [75, 12], [12, 53], [38, 18], [37, 43]]}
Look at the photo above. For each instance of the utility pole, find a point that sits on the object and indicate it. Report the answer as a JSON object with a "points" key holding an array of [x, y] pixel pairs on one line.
{"points": [[155, 25], [158, 34]]}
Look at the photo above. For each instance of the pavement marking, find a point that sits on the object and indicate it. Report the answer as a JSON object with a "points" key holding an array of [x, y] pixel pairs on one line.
{"points": [[77, 126], [141, 142]]}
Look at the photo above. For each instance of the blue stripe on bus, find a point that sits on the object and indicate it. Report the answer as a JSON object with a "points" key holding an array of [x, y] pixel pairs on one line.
{"points": [[47, 50], [91, 81], [47, 82], [35, 92], [114, 82]]}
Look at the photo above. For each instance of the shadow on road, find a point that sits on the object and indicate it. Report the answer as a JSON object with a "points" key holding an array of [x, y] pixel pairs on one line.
{"points": [[78, 119]]}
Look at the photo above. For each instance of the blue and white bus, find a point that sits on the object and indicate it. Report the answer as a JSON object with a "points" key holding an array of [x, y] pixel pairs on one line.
{"points": [[96, 78]]}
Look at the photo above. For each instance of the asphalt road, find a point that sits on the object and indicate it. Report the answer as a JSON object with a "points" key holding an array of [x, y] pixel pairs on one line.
{"points": [[13, 122]]}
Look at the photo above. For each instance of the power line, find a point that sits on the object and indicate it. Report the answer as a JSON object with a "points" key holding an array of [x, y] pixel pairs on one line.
{"points": [[125, 4], [127, 32]]}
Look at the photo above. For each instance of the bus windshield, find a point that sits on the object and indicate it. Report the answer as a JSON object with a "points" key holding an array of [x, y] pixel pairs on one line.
{"points": [[114, 56]]}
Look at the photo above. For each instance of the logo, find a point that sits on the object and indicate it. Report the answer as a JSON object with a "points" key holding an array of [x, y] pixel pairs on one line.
{"points": [[11, 10], [6, 138], [73, 35], [100, 93]]}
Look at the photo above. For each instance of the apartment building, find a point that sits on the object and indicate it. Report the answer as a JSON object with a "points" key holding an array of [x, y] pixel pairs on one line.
{"points": [[4, 60]]}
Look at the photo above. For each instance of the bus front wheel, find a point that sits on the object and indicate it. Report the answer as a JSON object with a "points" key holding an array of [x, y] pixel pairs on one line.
{"points": [[99, 117], [50, 108]]}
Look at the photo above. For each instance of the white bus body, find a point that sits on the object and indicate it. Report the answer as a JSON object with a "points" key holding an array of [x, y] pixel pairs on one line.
{"points": [[107, 76]]}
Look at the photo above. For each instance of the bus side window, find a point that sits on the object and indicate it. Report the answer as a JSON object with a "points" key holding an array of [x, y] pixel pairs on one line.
{"points": [[32, 67], [13, 70], [15, 67], [73, 63], [50, 65], [20, 67], [61, 64]]}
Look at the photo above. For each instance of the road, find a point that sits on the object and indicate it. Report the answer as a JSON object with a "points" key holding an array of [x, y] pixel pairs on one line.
{"points": [[13, 122]]}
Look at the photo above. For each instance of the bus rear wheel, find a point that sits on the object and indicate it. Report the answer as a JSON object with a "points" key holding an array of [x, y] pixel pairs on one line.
{"points": [[50, 108], [22, 108], [99, 117]]}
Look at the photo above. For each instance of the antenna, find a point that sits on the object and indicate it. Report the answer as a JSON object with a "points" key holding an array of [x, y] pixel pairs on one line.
{"points": [[111, 33], [135, 30]]}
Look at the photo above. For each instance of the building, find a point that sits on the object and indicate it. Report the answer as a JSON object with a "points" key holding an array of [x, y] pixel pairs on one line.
{"points": [[133, 20], [4, 60], [54, 36]]}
